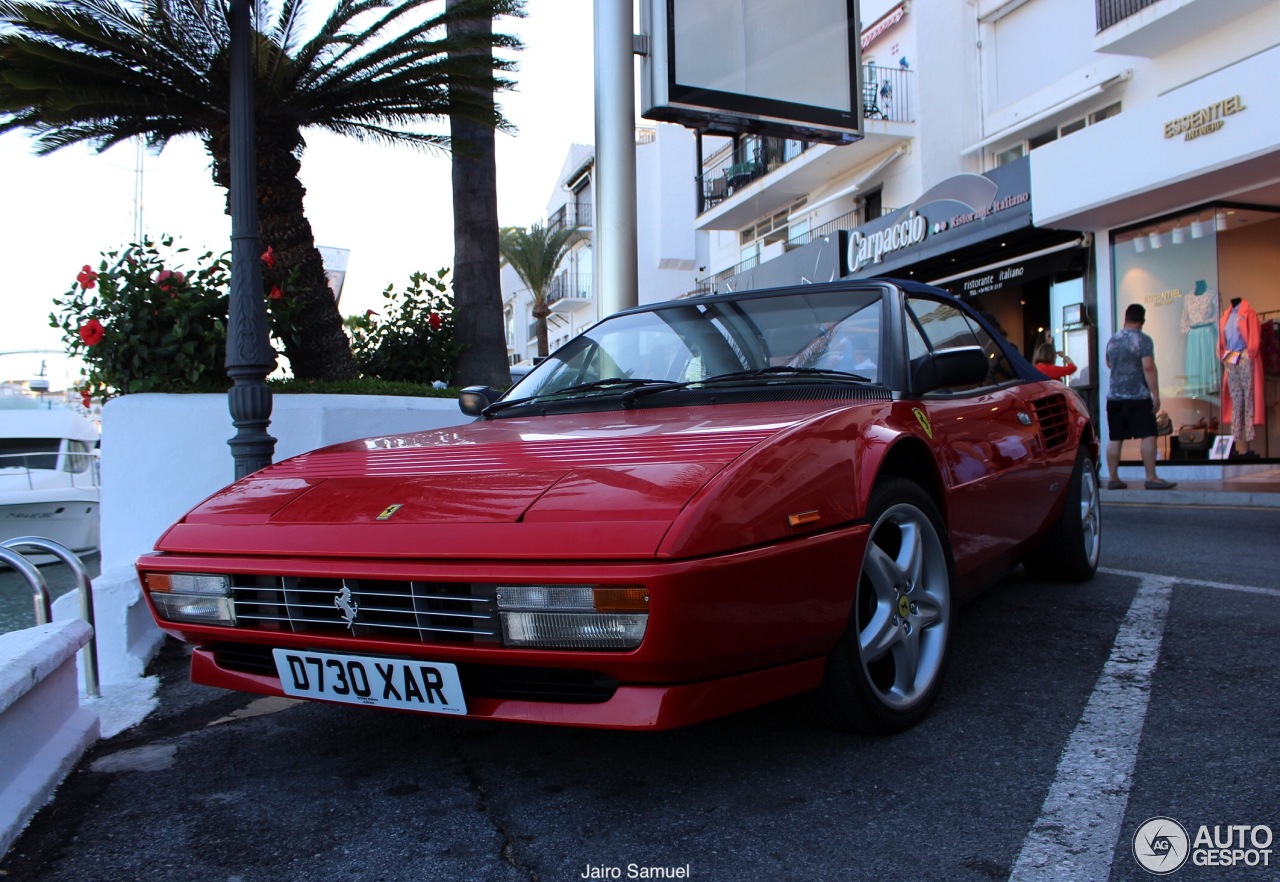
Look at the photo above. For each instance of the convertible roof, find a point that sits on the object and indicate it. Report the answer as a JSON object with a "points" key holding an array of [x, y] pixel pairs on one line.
{"points": [[1021, 367]]}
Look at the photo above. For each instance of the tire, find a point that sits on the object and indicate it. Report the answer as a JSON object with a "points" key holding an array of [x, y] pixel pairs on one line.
{"points": [[885, 673], [1070, 552]]}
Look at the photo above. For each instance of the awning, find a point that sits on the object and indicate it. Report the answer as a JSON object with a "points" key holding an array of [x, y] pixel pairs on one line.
{"points": [[1014, 271]]}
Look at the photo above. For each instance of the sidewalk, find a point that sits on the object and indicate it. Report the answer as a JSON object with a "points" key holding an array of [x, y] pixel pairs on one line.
{"points": [[1257, 488]]}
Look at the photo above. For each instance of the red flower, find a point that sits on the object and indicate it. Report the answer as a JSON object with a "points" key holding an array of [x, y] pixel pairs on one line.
{"points": [[87, 277], [276, 293], [435, 321], [92, 332], [168, 280], [269, 257], [370, 313]]}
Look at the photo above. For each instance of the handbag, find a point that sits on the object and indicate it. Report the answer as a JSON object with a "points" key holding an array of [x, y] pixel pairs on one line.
{"points": [[1164, 425], [1194, 438]]}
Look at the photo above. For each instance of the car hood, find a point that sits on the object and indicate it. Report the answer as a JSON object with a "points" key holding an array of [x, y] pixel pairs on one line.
{"points": [[595, 485]]}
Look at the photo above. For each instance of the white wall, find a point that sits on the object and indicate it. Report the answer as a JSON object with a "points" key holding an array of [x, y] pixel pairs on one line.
{"points": [[162, 454], [666, 205]]}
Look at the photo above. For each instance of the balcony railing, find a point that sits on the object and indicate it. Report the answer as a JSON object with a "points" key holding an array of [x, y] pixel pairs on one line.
{"points": [[570, 215], [885, 96], [1111, 12], [713, 283], [845, 221], [569, 286]]}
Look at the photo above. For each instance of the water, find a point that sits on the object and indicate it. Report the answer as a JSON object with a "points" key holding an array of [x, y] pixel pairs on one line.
{"points": [[16, 607]]}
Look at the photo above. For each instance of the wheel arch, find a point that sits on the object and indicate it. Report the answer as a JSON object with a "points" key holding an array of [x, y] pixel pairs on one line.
{"points": [[910, 458]]}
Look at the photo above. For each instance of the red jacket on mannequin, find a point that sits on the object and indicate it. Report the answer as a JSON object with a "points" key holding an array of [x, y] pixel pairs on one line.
{"points": [[1251, 328]]}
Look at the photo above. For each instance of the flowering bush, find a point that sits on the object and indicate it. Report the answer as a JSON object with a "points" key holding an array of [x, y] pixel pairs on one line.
{"points": [[411, 340], [143, 324]]}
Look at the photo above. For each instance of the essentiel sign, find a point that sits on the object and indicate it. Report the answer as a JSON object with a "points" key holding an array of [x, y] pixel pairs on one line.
{"points": [[1205, 120]]}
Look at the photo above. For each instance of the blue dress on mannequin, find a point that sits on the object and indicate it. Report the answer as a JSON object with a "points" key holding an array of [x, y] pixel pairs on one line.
{"points": [[1200, 327]]}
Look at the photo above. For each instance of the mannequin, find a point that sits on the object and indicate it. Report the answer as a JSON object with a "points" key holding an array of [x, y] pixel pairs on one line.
{"points": [[1239, 345], [1200, 328]]}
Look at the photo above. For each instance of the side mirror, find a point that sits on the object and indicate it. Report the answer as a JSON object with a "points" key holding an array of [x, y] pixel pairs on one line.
{"points": [[474, 399], [960, 367]]}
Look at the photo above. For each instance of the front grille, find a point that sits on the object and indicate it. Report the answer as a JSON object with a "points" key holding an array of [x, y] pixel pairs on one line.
{"points": [[419, 612], [563, 685], [1055, 421]]}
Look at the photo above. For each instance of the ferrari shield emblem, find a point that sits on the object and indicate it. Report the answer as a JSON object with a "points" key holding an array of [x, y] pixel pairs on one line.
{"points": [[389, 511], [923, 419]]}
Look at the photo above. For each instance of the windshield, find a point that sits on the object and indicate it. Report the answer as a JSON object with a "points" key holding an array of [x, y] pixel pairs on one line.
{"points": [[692, 341]]}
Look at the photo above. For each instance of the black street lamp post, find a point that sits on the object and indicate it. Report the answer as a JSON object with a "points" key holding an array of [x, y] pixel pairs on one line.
{"points": [[249, 354]]}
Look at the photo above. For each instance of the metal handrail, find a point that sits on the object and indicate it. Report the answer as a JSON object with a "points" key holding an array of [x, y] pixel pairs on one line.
{"points": [[44, 608], [39, 587], [85, 477]]}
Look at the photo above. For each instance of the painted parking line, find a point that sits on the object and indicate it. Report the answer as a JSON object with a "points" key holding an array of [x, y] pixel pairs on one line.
{"points": [[1075, 837], [1200, 583]]}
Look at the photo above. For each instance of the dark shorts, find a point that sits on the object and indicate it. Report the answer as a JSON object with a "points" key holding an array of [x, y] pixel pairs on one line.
{"points": [[1130, 418]]}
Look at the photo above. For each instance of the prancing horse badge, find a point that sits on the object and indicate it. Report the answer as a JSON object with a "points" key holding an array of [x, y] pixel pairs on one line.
{"points": [[389, 511]]}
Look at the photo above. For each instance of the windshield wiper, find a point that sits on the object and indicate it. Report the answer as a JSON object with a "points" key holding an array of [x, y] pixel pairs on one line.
{"points": [[753, 373], [785, 370], [607, 384]]}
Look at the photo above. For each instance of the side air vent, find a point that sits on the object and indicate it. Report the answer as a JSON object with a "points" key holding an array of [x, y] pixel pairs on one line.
{"points": [[1054, 417]]}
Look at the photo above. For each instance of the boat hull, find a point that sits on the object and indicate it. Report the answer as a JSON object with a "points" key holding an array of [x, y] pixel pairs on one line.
{"points": [[72, 522]]}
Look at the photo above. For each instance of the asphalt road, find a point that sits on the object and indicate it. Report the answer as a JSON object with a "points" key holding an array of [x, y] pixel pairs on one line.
{"points": [[1072, 715]]}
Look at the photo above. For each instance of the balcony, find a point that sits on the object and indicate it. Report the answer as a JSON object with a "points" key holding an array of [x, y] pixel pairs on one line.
{"points": [[572, 215], [1149, 28], [569, 291], [764, 174], [1111, 12]]}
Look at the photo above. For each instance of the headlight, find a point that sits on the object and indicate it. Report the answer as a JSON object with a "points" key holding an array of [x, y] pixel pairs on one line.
{"points": [[202, 598], [573, 616]]}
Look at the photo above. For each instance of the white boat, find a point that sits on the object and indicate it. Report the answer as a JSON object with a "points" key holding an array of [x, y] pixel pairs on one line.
{"points": [[49, 478]]}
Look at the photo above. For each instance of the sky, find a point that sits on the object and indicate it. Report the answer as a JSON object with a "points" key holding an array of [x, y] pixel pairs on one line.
{"points": [[392, 207]]}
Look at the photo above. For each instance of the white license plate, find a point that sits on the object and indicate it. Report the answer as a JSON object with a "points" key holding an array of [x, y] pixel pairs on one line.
{"points": [[428, 687]]}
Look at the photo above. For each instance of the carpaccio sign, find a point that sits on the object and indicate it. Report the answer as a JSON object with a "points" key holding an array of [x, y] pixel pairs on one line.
{"points": [[959, 211]]}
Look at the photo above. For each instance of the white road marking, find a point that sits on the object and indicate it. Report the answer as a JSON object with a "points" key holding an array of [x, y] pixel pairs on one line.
{"points": [[1077, 833], [1224, 586], [1074, 839]]}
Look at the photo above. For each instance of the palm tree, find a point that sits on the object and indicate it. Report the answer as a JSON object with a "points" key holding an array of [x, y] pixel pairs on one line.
{"points": [[535, 254], [100, 72], [477, 289]]}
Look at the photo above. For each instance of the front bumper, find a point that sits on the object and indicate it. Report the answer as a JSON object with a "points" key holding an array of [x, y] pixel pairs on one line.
{"points": [[724, 634]]}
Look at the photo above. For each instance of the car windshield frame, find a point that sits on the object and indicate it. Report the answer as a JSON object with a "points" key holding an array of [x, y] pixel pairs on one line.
{"points": [[811, 334]]}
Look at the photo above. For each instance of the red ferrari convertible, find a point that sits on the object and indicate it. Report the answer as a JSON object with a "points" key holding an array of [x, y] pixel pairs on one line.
{"points": [[693, 508]]}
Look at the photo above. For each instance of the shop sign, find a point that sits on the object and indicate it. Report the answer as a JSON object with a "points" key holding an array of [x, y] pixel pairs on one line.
{"points": [[871, 248], [1204, 121], [1013, 273], [956, 213]]}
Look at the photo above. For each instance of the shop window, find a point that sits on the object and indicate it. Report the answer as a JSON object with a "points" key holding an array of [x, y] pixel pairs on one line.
{"points": [[1189, 270]]}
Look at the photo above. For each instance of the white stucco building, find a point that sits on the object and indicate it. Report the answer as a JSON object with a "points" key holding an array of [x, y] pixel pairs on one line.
{"points": [[666, 242], [1053, 161]]}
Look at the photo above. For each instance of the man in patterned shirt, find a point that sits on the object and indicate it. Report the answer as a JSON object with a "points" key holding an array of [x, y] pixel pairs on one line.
{"points": [[1134, 397]]}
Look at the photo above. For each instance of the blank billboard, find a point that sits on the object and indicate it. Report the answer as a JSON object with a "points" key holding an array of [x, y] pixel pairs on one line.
{"points": [[782, 66]]}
